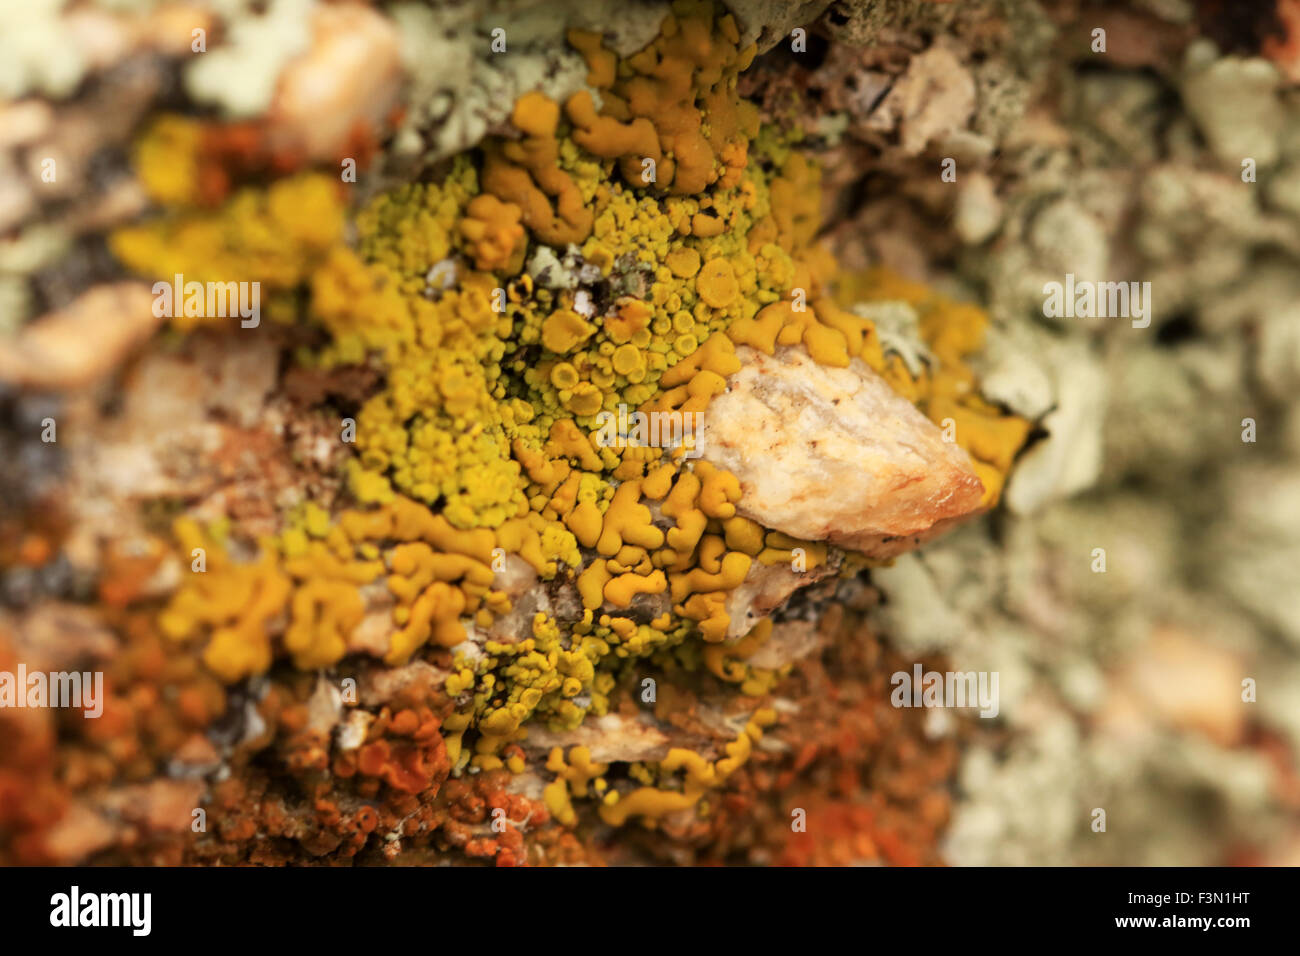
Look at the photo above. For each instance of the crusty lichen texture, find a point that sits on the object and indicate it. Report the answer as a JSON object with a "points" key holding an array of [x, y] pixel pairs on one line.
{"points": [[606, 253]]}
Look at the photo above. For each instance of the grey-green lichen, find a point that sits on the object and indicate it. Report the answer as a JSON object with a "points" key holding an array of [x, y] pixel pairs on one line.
{"points": [[1135, 586]]}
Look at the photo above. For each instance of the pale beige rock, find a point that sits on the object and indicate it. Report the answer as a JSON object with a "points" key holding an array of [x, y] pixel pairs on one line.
{"points": [[347, 81], [379, 685], [517, 580], [790, 641], [835, 454], [375, 632], [80, 832], [56, 636], [934, 99], [1189, 685], [765, 588], [77, 345], [197, 754], [160, 805], [609, 738], [24, 122], [324, 707]]}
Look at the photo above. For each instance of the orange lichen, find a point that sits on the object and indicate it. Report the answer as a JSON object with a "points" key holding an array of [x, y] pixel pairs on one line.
{"points": [[676, 105], [527, 174], [495, 234]]}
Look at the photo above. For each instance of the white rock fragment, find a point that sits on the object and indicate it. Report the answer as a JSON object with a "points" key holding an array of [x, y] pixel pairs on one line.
{"points": [[583, 305], [835, 454], [351, 734], [441, 275]]}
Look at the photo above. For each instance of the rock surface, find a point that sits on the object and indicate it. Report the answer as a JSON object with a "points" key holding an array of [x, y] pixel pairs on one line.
{"points": [[835, 454]]}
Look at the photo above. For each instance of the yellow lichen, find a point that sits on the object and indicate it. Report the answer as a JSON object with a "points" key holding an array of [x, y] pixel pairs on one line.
{"points": [[521, 417], [700, 775]]}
